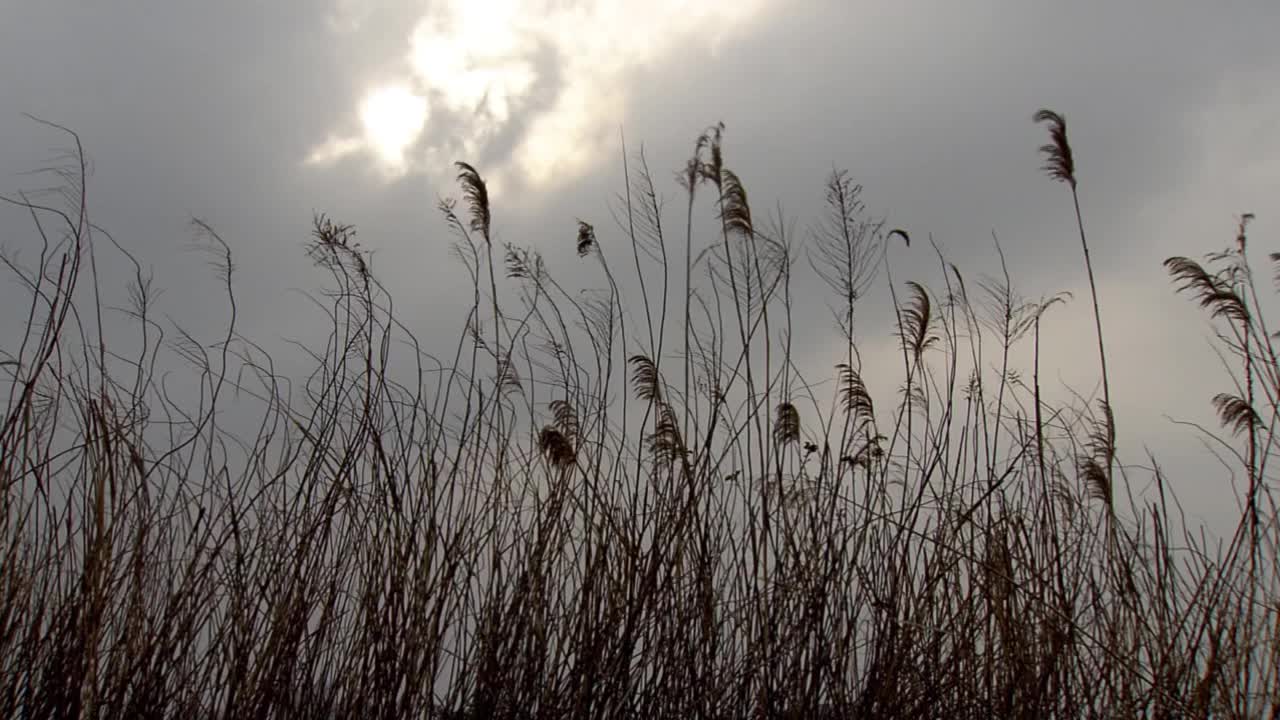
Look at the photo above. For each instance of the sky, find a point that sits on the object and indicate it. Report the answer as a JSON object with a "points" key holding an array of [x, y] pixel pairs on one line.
{"points": [[254, 116]]}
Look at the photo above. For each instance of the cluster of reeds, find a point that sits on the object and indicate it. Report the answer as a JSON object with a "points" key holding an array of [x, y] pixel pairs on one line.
{"points": [[625, 502]]}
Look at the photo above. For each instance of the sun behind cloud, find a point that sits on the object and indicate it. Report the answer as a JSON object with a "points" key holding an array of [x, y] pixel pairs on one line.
{"points": [[393, 118], [538, 82]]}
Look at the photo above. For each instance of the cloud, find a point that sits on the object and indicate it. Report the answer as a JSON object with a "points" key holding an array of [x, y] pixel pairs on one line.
{"points": [[391, 120], [533, 88], [347, 16]]}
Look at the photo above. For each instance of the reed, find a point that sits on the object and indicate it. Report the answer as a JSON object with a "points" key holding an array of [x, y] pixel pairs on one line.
{"points": [[575, 511]]}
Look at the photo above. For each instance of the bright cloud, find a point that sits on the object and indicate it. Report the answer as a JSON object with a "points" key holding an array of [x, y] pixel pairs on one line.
{"points": [[547, 76], [392, 118]]}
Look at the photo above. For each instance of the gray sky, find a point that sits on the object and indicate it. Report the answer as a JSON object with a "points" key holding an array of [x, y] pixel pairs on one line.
{"points": [[253, 115]]}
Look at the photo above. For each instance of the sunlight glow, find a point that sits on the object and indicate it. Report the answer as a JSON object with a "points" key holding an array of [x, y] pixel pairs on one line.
{"points": [[544, 81], [393, 119]]}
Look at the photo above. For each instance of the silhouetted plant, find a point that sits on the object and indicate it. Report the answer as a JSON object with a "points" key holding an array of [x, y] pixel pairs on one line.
{"points": [[1061, 166], [510, 531]]}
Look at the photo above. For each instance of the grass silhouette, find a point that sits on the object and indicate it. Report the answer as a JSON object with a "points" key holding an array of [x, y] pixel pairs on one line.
{"points": [[571, 517]]}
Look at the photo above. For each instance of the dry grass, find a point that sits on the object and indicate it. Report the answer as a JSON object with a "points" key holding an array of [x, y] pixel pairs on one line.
{"points": [[582, 512]]}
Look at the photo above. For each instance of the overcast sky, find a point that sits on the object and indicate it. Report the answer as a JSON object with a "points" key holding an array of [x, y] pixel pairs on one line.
{"points": [[253, 116]]}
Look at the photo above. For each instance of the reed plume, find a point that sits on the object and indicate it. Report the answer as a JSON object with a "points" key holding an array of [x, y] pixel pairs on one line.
{"points": [[1059, 164]]}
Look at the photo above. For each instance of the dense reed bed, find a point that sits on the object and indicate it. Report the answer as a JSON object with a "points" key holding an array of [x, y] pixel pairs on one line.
{"points": [[623, 503]]}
